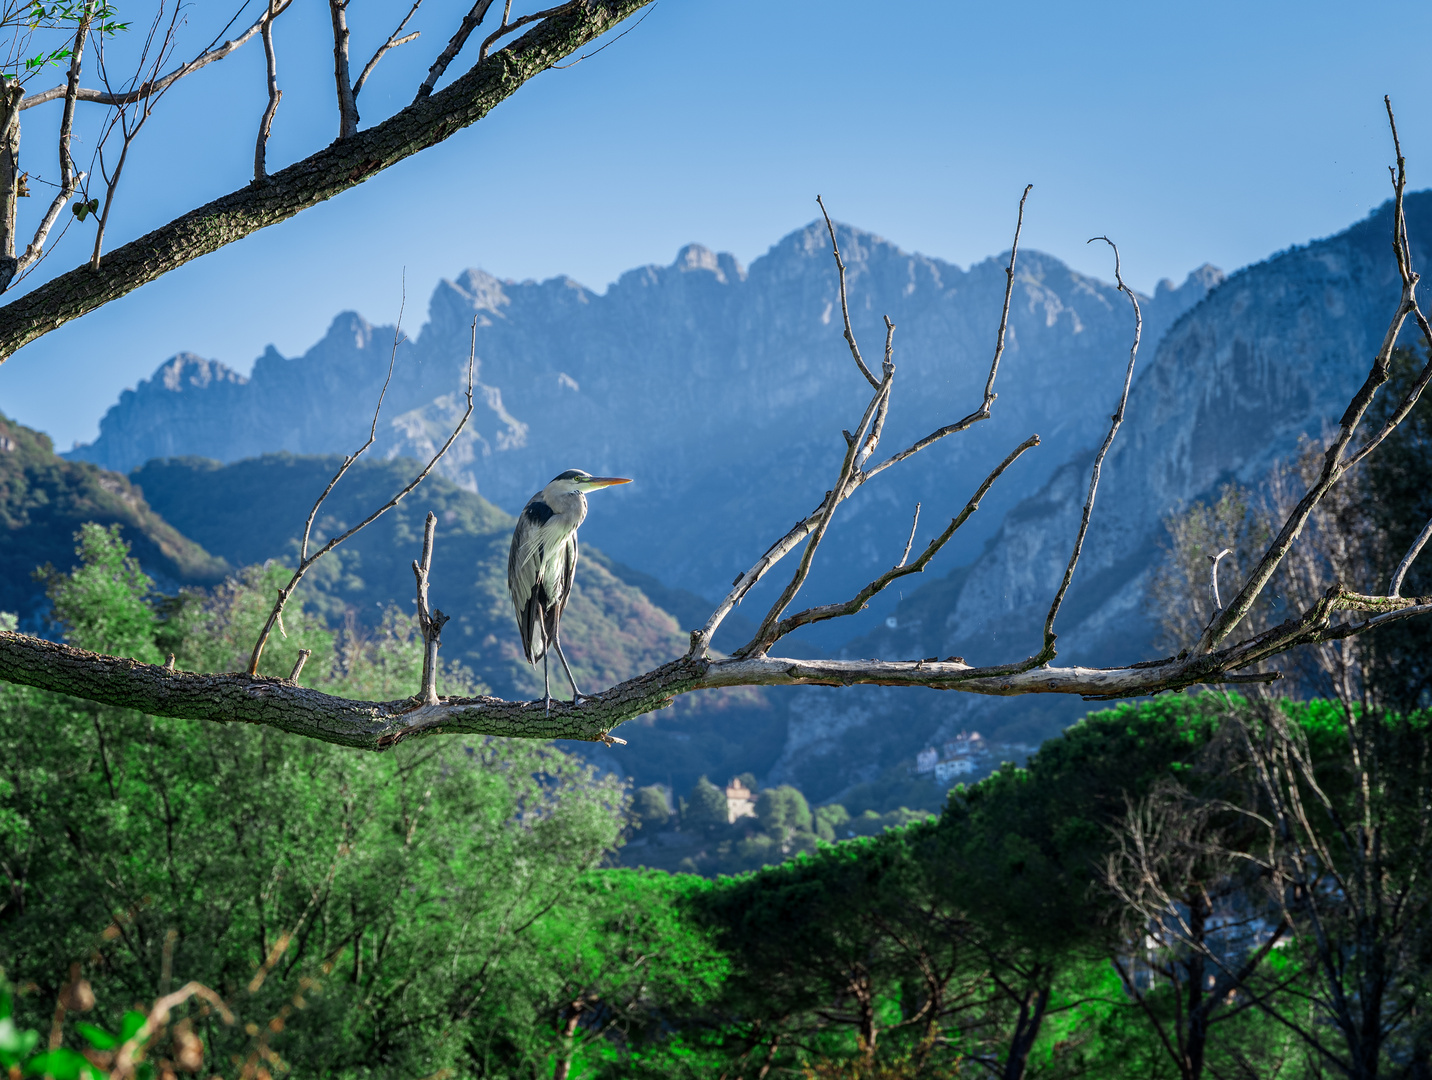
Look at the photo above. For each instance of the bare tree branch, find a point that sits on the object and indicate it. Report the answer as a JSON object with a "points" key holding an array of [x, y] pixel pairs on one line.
{"points": [[915, 524], [859, 600], [1214, 560], [430, 622], [777, 551], [395, 39], [508, 27], [844, 306], [306, 561], [347, 105], [1395, 587], [1334, 466], [764, 635], [340, 166], [155, 86], [275, 95], [1116, 420], [469, 23], [121, 117], [983, 412]]}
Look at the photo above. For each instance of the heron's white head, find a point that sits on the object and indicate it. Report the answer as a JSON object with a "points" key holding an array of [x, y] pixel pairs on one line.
{"points": [[570, 487]]}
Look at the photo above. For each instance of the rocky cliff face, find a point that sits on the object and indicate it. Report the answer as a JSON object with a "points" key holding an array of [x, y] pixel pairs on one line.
{"points": [[722, 390], [1272, 354]]}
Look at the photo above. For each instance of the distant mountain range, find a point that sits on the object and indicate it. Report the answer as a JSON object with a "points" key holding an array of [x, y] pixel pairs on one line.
{"points": [[723, 391]]}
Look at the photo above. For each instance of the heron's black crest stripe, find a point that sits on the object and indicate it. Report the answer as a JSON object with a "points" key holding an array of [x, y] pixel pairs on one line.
{"points": [[537, 512], [572, 474]]}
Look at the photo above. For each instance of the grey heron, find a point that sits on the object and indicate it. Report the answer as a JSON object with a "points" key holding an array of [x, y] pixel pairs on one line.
{"points": [[543, 562]]}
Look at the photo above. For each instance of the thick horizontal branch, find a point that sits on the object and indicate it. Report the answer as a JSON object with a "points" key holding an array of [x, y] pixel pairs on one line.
{"points": [[282, 704], [325, 174]]}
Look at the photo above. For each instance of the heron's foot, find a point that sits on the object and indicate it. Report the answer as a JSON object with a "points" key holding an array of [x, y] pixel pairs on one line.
{"points": [[547, 704], [577, 698]]}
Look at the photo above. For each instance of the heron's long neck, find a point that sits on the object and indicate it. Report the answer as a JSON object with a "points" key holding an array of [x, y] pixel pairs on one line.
{"points": [[571, 507]]}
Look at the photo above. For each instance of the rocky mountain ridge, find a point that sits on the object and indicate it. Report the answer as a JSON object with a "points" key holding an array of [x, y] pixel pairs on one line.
{"points": [[1271, 355], [721, 389]]}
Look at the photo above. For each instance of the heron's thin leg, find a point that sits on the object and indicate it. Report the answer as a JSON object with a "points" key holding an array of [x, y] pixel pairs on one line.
{"points": [[576, 694], [546, 682]]}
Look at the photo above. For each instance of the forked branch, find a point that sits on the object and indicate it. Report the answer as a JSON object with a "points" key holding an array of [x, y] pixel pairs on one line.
{"points": [[743, 584], [1335, 465], [306, 560]]}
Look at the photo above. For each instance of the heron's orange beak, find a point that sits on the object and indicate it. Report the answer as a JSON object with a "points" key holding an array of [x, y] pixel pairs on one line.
{"points": [[596, 482]]}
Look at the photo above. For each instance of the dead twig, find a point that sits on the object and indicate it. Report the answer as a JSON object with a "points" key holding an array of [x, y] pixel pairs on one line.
{"points": [[1395, 587], [915, 524], [306, 561], [1214, 560], [469, 23], [803, 528], [431, 623], [844, 306], [1047, 653], [395, 39], [859, 601], [275, 95]]}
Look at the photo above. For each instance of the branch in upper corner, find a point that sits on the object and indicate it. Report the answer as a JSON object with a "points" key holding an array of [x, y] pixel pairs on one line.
{"points": [[155, 86], [1117, 419]]}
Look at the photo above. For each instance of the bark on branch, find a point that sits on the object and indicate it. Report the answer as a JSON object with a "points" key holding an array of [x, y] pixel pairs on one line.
{"points": [[317, 178]]}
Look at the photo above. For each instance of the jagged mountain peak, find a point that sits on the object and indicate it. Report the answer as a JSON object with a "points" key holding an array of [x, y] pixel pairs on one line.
{"points": [[189, 370]]}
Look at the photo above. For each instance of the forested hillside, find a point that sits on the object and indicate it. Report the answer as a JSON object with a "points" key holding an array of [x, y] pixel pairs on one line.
{"points": [[44, 499], [1127, 906]]}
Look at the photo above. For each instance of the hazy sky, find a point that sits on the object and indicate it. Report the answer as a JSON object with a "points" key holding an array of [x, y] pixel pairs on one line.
{"points": [[1191, 133]]}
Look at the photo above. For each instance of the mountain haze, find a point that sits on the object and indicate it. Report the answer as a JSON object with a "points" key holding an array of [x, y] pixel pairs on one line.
{"points": [[722, 390]]}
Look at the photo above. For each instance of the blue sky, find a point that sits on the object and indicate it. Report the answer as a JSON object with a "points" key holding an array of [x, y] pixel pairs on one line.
{"points": [[1190, 133]]}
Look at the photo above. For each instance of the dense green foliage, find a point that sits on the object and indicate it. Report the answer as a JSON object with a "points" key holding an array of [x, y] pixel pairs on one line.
{"points": [[451, 908]]}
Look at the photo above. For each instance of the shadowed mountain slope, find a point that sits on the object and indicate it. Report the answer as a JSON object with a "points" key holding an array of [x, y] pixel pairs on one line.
{"points": [[44, 499]]}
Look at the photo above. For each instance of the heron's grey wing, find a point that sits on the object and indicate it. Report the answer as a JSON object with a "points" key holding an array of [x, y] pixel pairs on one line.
{"points": [[524, 584], [569, 573]]}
